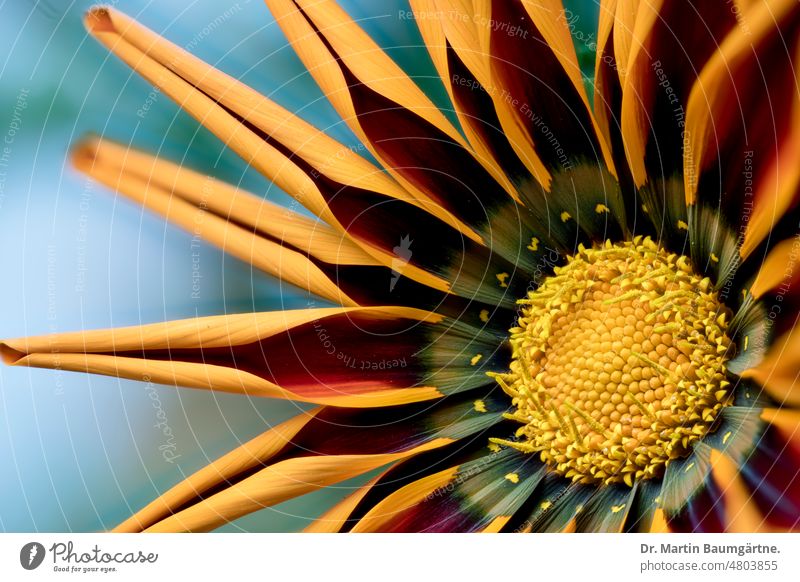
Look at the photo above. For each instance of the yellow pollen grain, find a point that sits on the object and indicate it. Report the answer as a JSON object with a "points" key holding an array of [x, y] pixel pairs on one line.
{"points": [[475, 359], [484, 315], [601, 208], [479, 406], [502, 278], [494, 447], [618, 363], [545, 505], [714, 257], [617, 508], [726, 437], [513, 477], [534, 246], [565, 216], [682, 225]]}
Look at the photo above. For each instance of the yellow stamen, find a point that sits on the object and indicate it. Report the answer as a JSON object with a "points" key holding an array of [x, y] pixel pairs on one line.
{"points": [[618, 363]]}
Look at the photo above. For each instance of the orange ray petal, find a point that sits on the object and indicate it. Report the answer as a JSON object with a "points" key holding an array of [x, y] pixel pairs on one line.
{"points": [[332, 520], [763, 123], [220, 198], [221, 215], [227, 353], [659, 524], [743, 516], [624, 21], [404, 498], [779, 269], [711, 117], [250, 455], [779, 371], [606, 83], [129, 40], [260, 131], [276, 483], [449, 31], [402, 128], [668, 47], [331, 432], [497, 524], [541, 89], [327, 39]]}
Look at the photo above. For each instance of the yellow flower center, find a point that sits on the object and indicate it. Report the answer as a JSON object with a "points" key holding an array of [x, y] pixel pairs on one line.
{"points": [[618, 363]]}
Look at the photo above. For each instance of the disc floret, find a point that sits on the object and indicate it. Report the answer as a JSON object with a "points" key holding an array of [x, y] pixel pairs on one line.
{"points": [[618, 363]]}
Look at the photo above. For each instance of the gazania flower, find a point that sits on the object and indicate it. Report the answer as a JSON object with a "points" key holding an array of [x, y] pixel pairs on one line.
{"points": [[557, 317]]}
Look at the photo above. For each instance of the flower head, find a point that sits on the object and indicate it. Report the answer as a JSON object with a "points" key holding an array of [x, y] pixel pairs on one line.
{"points": [[554, 317]]}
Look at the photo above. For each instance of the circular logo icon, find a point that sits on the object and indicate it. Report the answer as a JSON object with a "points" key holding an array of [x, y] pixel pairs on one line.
{"points": [[31, 555]]}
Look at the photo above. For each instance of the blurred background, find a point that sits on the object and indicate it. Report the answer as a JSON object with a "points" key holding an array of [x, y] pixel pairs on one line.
{"points": [[79, 452]]}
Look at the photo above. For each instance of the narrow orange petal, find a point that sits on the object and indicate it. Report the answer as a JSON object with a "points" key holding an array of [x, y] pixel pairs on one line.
{"points": [[96, 352], [332, 520], [636, 92], [328, 42], [549, 19], [497, 524], [713, 86], [778, 269], [198, 219], [250, 455], [442, 23], [405, 497], [276, 483], [94, 155], [779, 372], [741, 511], [151, 56]]}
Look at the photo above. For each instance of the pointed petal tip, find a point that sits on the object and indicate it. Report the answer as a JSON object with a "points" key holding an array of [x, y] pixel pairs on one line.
{"points": [[9, 355], [83, 153], [98, 19]]}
